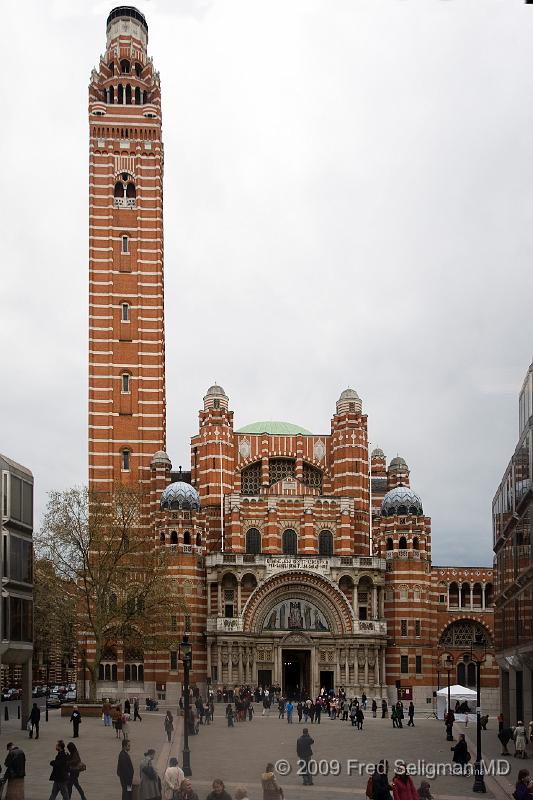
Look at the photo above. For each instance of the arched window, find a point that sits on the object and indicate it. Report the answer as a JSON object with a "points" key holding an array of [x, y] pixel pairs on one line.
{"points": [[138, 69], [186, 537], [461, 674], [174, 537], [137, 96], [416, 544], [145, 97], [198, 540], [251, 479], [127, 672], [107, 672], [125, 66], [125, 244], [101, 676], [125, 313], [390, 543], [325, 544], [128, 95], [280, 468], [125, 383], [111, 95], [289, 542], [126, 460], [403, 543], [253, 541], [113, 672], [312, 476], [119, 189], [488, 595], [111, 68], [130, 190], [471, 674], [120, 94]]}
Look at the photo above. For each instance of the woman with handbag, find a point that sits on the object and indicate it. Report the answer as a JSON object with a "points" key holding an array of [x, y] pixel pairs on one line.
{"points": [[271, 790], [172, 780], [150, 787], [75, 766]]}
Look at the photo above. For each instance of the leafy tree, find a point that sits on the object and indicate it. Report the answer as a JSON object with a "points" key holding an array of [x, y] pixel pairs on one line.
{"points": [[124, 593]]}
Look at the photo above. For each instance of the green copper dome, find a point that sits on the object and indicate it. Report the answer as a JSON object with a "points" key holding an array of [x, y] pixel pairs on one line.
{"points": [[275, 428]]}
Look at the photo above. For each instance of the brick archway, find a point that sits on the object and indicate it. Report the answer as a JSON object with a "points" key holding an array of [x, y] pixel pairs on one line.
{"points": [[289, 585]]}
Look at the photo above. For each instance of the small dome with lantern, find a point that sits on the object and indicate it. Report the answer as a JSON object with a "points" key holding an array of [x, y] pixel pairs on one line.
{"points": [[180, 496], [349, 402], [401, 501], [216, 397]]}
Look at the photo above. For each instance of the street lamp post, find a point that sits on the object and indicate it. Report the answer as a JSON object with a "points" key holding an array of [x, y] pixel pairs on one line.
{"points": [[186, 657], [478, 642]]}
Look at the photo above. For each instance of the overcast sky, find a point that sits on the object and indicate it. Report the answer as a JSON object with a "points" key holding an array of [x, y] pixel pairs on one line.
{"points": [[348, 202]]}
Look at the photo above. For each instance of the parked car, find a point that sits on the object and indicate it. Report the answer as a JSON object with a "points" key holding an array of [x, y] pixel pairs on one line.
{"points": [[70, 696], [55, 701]]}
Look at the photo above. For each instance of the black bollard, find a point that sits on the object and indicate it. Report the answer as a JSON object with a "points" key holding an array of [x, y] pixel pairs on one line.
{"points": [[6, 713], [18, 712]]}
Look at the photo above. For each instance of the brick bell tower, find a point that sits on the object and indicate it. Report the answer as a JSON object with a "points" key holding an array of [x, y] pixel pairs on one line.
{"points": [[126, 321]]}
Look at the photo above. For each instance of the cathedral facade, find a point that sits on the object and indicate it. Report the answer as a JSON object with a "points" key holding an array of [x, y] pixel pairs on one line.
{"points": [[303, 559]]}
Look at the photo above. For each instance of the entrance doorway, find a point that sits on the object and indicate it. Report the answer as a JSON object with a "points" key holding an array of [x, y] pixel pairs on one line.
{"points": [[296, 673], [264, 678], [326, 679]]}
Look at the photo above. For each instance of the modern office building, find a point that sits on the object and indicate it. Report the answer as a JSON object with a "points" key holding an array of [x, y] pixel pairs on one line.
{"points": [[512, 514], [16, 608]]}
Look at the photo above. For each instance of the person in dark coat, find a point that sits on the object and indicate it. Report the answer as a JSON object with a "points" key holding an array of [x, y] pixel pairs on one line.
{"points": [[410, 714], [35, 718], [75, 766], [360, 718], [318, 712], [449, 720], [523, 788], [127, 706], [460, 752], [505, 736], [15, 773], [381, 788], [75, 718], [304, 751], [125, 770], [59, 776], [219, 792]]}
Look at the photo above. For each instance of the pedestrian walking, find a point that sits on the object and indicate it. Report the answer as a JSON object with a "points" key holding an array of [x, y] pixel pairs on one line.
{"points": [[363, 701], [136, 714], [299, 710], [500, 722], [360, 718], [383, 709], [449, 720], [59, 776], [304, 751], [251, 711], [269, 784], [399, 714], [266, 704], [172, 779], [318, 712], [127, 706], [125, 770], [461, 755], [403, 787], [520, 742], [106, 713], [117, 721], [230, 716], [374, 708], [381, 788], [219, 791], [150, 786], [290, 709], [75, 718], [505, 736], [126, 719], [394, 716], [75, 766], [410, 714], [169, 724], [34, 720], [281, 708], [15, 773]]}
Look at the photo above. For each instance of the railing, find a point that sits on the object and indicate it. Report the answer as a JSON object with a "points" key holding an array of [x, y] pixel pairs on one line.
{"points": [[372, 626], [227, 624], [302, 561], [124, 202]]}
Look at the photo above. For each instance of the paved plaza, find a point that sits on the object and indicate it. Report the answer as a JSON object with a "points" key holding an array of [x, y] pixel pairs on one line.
{"points": [[239, 755]]}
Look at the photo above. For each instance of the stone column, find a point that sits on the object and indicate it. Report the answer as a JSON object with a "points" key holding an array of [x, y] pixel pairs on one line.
{"points": [[383, 674], [471, 595], [219, 600], [356, 666], [219, 664], [208, 598], [240, 665], [366, 666], [375, 613], [238, 598], [208, 653], [483, 586], [230, 666], [376, 667], [355, 607]]}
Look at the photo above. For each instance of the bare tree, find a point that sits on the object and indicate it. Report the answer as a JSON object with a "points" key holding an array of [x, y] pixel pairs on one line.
{"points": [[54, 618], [125, 595]]}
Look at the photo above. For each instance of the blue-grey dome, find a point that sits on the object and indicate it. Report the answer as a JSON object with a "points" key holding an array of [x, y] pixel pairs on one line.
{"points": [[398, 464], [180, 496], [400, 502]]}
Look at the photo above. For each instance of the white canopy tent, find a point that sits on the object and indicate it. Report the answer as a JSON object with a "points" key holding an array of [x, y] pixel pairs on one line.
{"points": [[457, 692]]}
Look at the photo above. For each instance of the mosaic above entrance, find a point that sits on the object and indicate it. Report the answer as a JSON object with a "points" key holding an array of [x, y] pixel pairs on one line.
{"points": [[295, 615]]}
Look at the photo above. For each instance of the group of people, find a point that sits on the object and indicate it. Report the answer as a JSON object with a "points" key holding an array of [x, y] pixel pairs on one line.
{"points": [[518, 734], [119, 718]]}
